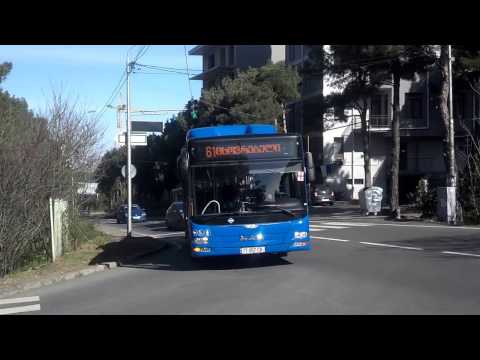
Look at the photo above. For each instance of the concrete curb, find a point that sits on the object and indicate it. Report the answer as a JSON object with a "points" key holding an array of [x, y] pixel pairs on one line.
{"points": [[92, 269], [55, 279]]}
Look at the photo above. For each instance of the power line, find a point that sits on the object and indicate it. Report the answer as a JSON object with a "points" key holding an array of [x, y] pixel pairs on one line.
{"points": [[156, 67], [165, 72], [141, 53], [112, 96], [188, 72]]}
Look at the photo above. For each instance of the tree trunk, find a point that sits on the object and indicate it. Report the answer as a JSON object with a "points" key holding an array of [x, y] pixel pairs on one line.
{"points": [[366, 149], [394, 196], [445, 116]]}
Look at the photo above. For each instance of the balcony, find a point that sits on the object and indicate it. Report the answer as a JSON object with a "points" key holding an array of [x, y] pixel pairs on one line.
{"points": [[380, 122], [384, 123]]}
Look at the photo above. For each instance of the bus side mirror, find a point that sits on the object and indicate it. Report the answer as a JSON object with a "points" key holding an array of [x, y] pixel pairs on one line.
{"points": [[310, 166]]}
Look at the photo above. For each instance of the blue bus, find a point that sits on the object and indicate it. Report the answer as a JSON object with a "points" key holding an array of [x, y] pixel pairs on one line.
{"points": [[245, 191]]}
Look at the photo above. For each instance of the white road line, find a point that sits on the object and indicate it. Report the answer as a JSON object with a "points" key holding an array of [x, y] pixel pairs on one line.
{"points": [[154, 235], [330, 239], [327, 227], [20, 309], [19, 300], [392, 246], [159, 236], [459, 253], [407, 225], [348, 223], [446, 227]]}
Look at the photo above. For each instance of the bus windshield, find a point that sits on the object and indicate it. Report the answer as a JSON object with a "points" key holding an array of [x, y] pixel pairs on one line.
{"points": [[248, 188]]}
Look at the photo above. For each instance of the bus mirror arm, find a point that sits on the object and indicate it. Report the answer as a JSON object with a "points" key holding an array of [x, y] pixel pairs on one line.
{"points": [[310, 167]]}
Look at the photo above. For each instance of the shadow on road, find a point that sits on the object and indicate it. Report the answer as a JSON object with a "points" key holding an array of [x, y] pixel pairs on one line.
{"points": [[176, 258], [469, 243], [163, 254], [124, 250]]}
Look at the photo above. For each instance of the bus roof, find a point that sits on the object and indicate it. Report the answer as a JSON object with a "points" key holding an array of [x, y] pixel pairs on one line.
{"points": [[230, 130]]}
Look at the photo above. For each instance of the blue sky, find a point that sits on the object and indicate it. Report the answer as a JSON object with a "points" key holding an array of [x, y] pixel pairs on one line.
{"points": [[89, 73]]}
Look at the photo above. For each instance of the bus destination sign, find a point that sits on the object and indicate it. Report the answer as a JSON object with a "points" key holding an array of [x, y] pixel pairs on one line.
{"points": [[245, 149]]}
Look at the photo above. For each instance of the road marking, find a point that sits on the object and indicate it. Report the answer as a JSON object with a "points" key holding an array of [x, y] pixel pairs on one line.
{"points": [[459, 253], [157, 236], [169, 234], [20, 309], [349, 223], [433, 226], [330, 239], [327, 227], [389, 245], [19, 300]]}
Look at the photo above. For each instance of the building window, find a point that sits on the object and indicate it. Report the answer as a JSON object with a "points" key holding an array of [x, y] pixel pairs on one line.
{"points": [[414, 105], [211, 61], [338, 148], [379, 114], [358, 181], [349, 181], [403, 156], [379, 105], [476, 106], [223, 56], [459, 107], [292, 52], [231, 55]]}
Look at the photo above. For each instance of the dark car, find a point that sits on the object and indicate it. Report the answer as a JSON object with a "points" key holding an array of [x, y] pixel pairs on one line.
{"points": [[138, 214], [322, 194], [174, 217]]}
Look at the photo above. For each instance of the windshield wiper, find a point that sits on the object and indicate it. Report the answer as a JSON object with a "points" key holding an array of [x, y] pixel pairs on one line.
{"points": [[285, 211]]}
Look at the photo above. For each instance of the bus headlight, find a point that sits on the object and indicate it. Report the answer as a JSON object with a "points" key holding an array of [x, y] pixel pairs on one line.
{"points": [[203, 250], [300, 234], [201, 232], [201, 240]]}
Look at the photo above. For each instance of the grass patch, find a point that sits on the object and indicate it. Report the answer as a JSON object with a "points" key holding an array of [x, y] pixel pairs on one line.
{"points": [[40, 268]]}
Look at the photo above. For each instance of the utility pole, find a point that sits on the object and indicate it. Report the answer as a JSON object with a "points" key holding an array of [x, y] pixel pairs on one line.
{"points": [[353, 154], [451, 170], [129, 154], [452, 177]]}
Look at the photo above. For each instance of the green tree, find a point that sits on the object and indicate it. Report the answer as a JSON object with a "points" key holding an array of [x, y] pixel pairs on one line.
{"points": [[109, 176], [256, 95], [401, 62], [5, 69], [352, 73]]}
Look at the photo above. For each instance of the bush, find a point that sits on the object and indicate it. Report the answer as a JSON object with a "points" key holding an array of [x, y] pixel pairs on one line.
{"points": [[41, 157], [426, 199]]}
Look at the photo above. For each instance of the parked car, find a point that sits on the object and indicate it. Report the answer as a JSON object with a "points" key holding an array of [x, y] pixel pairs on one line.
{"points": [[322, 194], [138, 214], [175, 217]]}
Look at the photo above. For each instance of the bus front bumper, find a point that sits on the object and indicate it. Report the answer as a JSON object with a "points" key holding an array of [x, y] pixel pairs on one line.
{"points": [[204, 250]]}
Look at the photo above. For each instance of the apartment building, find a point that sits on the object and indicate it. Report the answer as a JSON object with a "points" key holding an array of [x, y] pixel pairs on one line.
{"points": [[222, 60], [302, 115], [422, 132], [422, 146]]}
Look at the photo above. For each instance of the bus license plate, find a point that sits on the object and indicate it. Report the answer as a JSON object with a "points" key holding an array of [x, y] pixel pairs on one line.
{"points": [[252, 250]]}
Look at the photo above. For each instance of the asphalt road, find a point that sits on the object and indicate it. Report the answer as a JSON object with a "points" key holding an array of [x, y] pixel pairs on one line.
{"points": [[358, 265]]}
